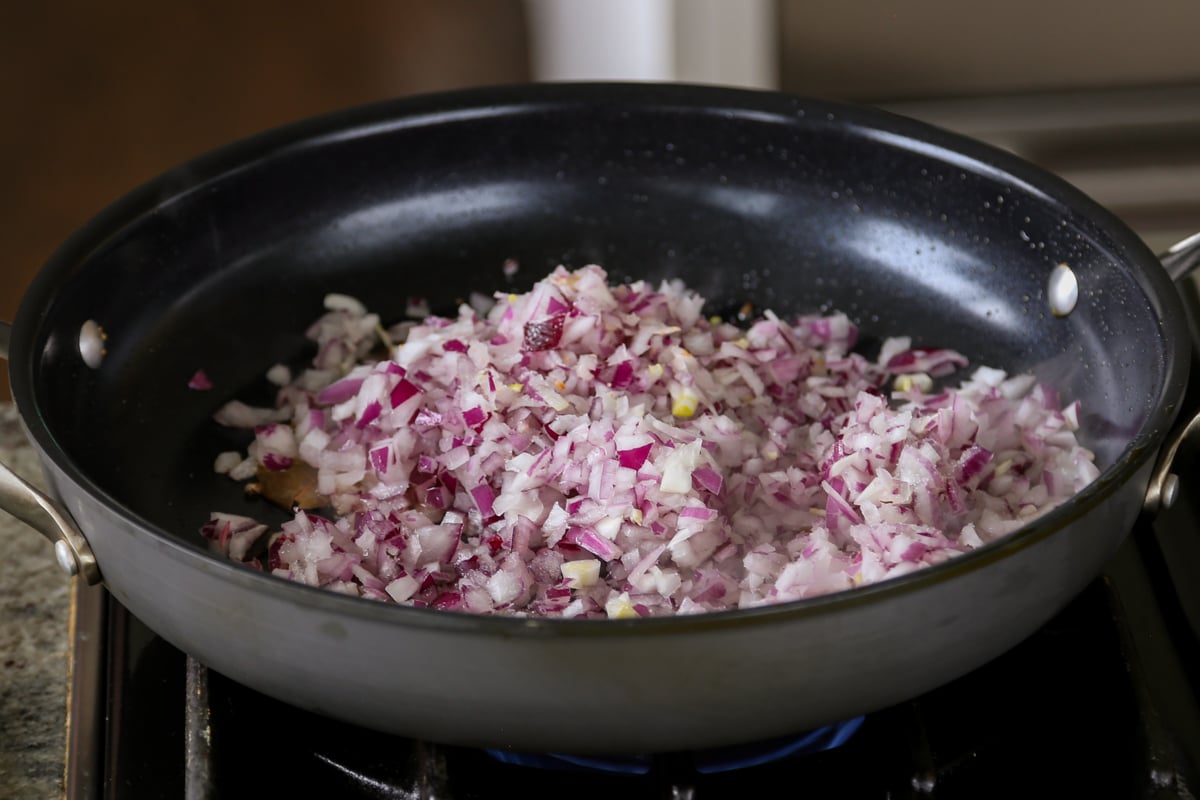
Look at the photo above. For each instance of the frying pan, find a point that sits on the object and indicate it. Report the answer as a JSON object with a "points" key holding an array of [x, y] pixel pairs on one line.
{"points": [[790, 203]]}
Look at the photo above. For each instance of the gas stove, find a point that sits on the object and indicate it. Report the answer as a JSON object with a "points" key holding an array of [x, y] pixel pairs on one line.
{"points": [[1103, 701]]}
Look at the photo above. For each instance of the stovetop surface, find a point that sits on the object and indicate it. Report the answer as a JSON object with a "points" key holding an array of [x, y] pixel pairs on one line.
{"points": [[1103, 701]]}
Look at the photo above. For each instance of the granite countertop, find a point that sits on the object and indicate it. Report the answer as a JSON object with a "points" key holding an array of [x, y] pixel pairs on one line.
{"points": [[34, 595]]}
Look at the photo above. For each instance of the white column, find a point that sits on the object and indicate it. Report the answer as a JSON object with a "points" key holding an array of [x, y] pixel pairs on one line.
{"points": [[731, 42], [580, 40]]}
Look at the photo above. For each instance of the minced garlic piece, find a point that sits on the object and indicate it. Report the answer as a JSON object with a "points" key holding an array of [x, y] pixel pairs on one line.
{"points": [[619, 607], [917, 380], [684, 403], [581, 573]]}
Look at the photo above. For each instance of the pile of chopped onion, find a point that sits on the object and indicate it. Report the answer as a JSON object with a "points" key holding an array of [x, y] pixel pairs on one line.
{"points": [[592, 450]]}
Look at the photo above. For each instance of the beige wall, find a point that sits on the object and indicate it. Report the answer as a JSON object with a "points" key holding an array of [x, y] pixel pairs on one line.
{"points": [[876, 49]]}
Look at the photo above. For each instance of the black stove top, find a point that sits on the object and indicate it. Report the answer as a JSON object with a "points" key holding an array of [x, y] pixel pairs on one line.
{"points": [[1103, 701]]}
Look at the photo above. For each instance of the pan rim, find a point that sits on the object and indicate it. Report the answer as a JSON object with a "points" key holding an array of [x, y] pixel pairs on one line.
{"points": [[430, 109]]}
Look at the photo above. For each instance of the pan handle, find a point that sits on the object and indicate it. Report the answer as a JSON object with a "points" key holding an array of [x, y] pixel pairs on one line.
{"points": [[1182, 258], [19, 498], [1180, 261]]}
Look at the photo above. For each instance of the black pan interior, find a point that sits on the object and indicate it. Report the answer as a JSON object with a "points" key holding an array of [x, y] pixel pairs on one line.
{"points": [[788, 203]]}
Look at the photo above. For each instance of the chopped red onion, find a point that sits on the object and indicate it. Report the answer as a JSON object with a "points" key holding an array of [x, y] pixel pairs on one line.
{"points": [[544, 333], [200, 381], [634, 457], [708, 479], [340, 392], [484, 498], [590, 450]]}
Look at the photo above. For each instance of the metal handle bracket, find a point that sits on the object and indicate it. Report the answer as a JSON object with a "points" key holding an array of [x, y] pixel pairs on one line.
{"points": [[1164, 483], [29, 505], [35, 509], [1180, 261]]}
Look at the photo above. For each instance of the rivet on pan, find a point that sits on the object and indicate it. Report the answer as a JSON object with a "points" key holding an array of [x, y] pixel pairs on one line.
{"points": [[1062, 290], [91, 344]]}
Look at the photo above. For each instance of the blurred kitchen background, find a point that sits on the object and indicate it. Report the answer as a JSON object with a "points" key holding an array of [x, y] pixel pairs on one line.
{"points": [[100, 97]]}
